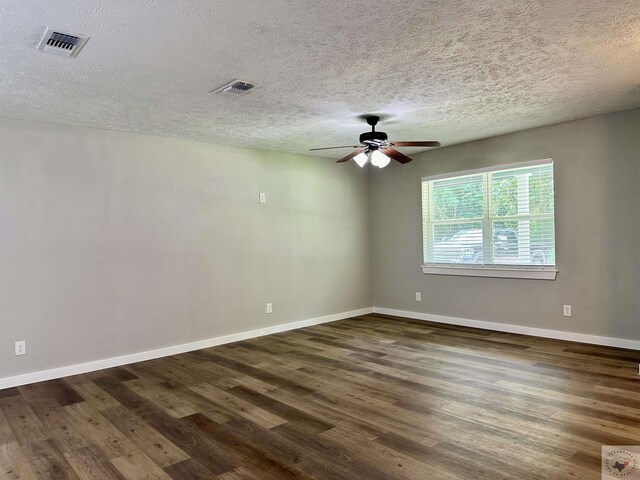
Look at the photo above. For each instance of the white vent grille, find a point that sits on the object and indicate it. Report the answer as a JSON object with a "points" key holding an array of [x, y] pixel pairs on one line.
{"points": [[236, 88], [62, 43]]}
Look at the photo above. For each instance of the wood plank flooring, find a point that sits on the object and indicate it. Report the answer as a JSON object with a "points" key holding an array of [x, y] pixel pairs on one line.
{"points": [[372, 397]]}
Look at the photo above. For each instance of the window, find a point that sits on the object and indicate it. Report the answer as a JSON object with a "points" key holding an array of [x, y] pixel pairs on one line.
{"points": [[491, 222]]}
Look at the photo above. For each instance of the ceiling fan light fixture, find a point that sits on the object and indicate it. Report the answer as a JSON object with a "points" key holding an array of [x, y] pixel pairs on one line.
{"points": [[379, 159], [361, 159], [377, 149]]}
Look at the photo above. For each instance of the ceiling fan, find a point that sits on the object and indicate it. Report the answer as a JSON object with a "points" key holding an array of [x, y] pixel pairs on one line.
{"points": [[375, 148]]}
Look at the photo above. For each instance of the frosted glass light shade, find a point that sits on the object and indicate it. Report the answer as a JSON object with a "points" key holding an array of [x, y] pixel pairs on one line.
{"points": [[379, 159], [361, 159]]}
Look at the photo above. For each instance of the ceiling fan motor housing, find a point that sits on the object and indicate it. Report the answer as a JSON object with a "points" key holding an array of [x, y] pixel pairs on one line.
{"points": [[376, 137]]}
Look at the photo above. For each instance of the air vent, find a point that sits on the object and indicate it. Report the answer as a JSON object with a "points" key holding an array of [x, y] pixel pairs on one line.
{"points": [[236, 88], [62, 43]]}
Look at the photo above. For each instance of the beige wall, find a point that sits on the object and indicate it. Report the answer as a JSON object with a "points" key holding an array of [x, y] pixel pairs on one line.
{"points": [[113, 243], [597, 178]]}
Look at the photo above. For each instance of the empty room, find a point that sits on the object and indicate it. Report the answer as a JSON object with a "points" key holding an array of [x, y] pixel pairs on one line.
{"points": [[330, 240]]}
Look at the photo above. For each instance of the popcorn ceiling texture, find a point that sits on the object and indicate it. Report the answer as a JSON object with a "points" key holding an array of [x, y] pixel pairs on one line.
{"points": [[451, 70]]}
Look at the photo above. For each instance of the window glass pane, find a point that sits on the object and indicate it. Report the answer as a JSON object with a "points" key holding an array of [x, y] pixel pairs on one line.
{"points": [[523, 242], [543, 242], [505, 242], [522, 191], [541, 190], [458, 198], [511, 241], [504, 196], [457, 243]]}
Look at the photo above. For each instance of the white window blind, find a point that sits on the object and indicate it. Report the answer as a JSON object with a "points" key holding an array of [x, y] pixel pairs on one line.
{"points": [[491, 218]]}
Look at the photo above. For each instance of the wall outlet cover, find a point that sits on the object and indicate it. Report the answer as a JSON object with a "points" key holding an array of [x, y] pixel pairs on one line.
{"points": [[21, 347]]}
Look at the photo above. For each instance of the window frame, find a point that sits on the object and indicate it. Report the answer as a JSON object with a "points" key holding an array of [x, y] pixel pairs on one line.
{"points": [[539, 272]]}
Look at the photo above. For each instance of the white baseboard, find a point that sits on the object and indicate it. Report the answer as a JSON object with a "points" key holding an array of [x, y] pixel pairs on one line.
{"points": [[505, 327], [79, 368]]}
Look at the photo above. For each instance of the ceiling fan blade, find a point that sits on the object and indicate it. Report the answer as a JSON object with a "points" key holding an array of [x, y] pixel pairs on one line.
{"points": [[416, 144], [350, 156], [396, 155], [329, 148]]}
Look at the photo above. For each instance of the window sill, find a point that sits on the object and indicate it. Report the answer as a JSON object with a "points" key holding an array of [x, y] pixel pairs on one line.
{"points": [[536, 273]]}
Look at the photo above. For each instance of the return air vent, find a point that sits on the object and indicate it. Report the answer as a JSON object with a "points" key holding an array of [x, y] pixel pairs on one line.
{"points": [[62, 43], [236, 88]]}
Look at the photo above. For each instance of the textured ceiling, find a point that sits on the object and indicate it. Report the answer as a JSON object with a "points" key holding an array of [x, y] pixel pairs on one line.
{"points": [[450, 70]]}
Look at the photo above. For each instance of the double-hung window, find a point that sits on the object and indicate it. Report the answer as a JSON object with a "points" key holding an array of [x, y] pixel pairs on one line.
{"points": [[491, 222]]}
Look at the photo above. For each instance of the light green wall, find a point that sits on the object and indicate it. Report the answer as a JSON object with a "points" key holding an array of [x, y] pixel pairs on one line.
{"points": [[597, 186], [113, 243]]}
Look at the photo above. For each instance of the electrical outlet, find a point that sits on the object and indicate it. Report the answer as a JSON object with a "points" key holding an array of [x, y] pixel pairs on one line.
{"points": [[418, 297], [263, 198], [21, 347], [566, 310], [269, 308]]}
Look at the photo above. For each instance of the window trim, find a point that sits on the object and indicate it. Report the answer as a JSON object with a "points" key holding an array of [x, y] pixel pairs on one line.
{"points": [[533, 273], [494, 168], [497, 271]]}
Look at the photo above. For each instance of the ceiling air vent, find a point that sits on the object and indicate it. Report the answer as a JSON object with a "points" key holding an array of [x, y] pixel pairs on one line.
{"points": [[236, 88], [62, 43]]}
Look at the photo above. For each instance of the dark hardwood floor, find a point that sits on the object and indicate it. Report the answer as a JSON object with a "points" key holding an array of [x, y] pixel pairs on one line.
{"points": [[372, 397]]}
